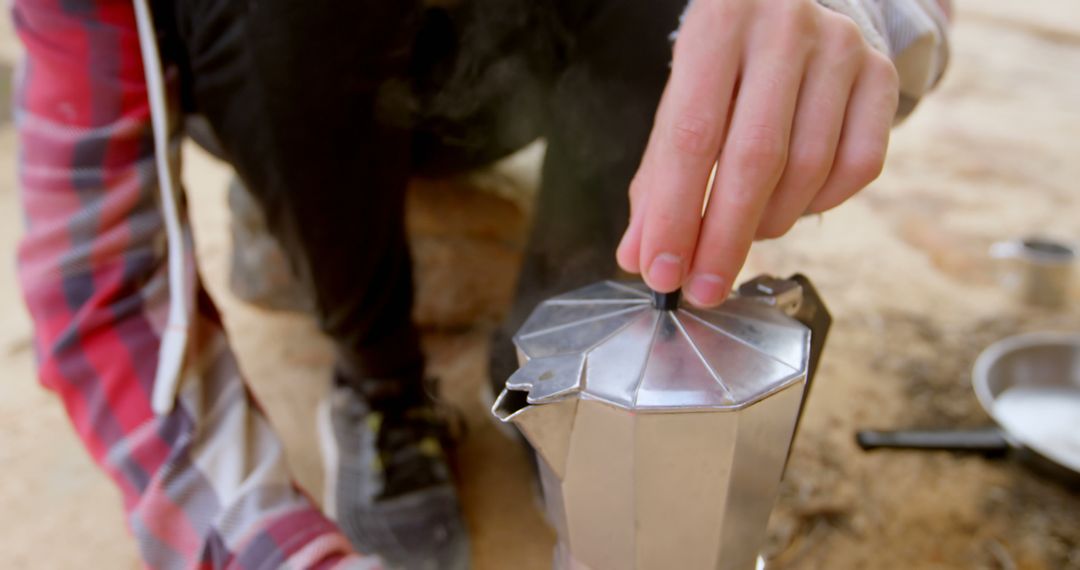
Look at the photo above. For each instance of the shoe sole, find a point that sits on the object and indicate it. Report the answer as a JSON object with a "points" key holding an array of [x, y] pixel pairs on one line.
{"points": [[328, 449]]}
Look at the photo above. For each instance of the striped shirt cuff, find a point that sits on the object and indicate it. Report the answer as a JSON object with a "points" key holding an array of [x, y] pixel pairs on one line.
{"points": [[913, 33]]}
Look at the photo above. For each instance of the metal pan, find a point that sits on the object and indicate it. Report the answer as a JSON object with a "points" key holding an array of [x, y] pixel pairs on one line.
{"points": [[1030, 386]]}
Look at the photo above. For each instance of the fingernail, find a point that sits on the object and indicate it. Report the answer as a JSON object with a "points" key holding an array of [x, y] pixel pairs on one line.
{"points": [[706, 290], [665, 273]]}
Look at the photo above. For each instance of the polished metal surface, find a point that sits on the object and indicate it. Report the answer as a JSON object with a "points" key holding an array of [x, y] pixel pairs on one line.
{"points": [[636, 357], [661, 435], [1039, 271], [1030, 384]]}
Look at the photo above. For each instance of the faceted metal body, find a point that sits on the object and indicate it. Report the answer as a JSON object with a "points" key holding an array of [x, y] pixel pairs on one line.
{"points": [[661, 436]]}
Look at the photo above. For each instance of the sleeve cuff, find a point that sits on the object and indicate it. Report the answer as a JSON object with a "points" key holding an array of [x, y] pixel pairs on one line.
{"points": [[913, 33]]}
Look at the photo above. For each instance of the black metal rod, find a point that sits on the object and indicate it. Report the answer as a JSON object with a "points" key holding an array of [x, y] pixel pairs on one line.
{"points": [[989, 442], [666, 301]]}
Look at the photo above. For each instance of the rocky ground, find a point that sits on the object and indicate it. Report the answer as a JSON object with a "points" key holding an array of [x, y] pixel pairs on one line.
{"points": [[992, 155]]}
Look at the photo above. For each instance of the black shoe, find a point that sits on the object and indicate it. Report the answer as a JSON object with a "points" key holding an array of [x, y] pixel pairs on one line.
{"points": [[389, 484]]}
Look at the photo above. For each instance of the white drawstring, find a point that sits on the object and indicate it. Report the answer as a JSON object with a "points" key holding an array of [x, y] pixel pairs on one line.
{"points": [[174, 338]]}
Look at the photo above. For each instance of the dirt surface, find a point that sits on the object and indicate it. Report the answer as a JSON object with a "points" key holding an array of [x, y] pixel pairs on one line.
{"points": [[992, 155]]}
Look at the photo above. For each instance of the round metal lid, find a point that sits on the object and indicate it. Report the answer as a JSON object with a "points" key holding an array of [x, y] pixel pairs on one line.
{"points": [[609, 342]]}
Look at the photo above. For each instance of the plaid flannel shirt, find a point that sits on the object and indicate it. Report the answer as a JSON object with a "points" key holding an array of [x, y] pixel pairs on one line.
{"points": [[206, 484]]}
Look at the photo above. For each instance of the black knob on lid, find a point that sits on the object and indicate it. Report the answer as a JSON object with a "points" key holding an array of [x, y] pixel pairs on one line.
{"points": [[666, 301]]}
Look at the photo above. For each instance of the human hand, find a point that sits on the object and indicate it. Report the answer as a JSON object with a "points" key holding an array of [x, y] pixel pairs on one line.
{"points": [[790, 103]]}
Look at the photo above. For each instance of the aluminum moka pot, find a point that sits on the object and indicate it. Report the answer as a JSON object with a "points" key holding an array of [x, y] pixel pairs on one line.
{"points": [[661, 431]]}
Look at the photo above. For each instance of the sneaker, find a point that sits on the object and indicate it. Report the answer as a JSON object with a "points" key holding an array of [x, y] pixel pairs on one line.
{"points": [[389, 484]]}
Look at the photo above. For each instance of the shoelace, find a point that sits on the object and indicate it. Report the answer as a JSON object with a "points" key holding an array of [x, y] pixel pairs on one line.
{"points": [[415, 443]]}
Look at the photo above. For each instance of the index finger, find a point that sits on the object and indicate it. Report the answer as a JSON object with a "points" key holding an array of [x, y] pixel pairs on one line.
{"points": [[686, 138]]}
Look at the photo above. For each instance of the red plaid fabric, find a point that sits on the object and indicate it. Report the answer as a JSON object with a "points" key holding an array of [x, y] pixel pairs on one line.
{"points": [[205, 486]]}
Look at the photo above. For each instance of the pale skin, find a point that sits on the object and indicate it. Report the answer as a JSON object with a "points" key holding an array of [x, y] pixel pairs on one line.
{"points": [[794, 108]]}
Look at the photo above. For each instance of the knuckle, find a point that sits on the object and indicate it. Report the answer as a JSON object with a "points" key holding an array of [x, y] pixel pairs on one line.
{"points": [[845, 35], [799, 12], [723, 11], [666, 220], [823, 207], [809, 165], [880, 63], [760, 150], [797, 28], [637, 188], [716, 9], [695, 135], [866, 165], [774, 228], [685, 42], [680, 46]]}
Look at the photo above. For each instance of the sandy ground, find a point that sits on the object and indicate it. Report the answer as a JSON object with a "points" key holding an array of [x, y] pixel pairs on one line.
{"points": [[903, 267]]}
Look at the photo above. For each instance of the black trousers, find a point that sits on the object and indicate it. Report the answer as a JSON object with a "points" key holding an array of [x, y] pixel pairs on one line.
{"points": [[325, 109]]}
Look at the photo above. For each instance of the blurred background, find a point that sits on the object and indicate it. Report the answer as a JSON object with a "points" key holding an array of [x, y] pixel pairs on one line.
{"points": [[993, 155]]}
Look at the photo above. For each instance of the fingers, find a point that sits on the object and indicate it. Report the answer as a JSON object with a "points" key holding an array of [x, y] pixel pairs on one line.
{"points": [[628, 253], [686, 137], [791, 105], [753, 158], [819, 119], [865, 136]]}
